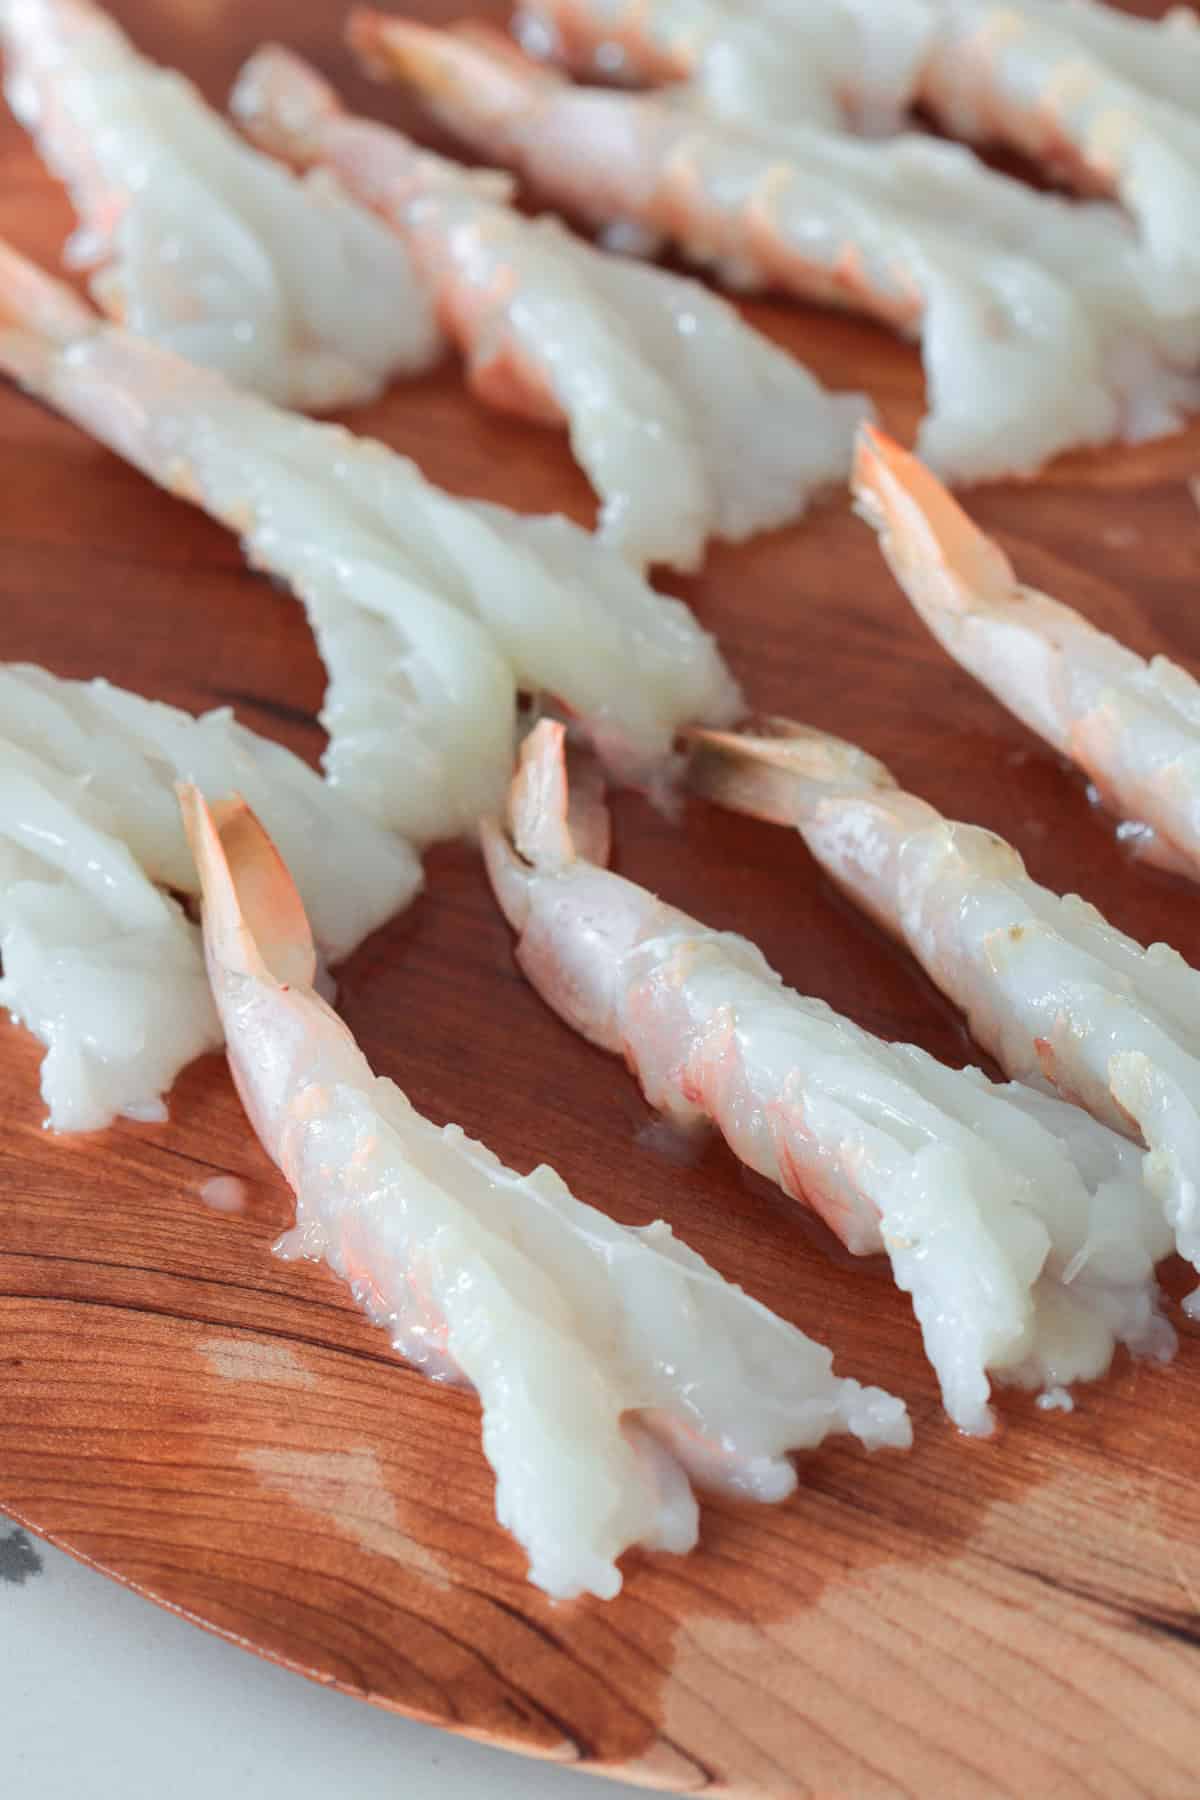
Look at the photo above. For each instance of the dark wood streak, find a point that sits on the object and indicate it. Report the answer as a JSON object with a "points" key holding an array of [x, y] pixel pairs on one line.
{"points": [[1184, 1630], [1017, 1617], [396, 1370], [274, 709]]}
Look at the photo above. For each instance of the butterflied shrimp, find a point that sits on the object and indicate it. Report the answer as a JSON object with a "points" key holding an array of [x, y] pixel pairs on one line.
{"points": [[1016, 1223], [615, 1368], [429, 611], [687, 421], [1162, 56], [1133, 726], [837, 63], [198, 242], [100, 961], [1058, 995], [752, 77], [1018, 74], [831, 62], [991, 324]]}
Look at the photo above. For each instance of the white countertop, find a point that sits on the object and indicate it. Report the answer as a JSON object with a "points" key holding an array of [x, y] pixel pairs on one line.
{"points": [[106, 1697]]}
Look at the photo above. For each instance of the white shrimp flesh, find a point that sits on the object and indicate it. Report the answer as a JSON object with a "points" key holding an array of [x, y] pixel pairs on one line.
{"points": [[100, 961], [834, 64], [196, 240], [754, 69], [1038, 77], [1061, 998], [614, 1367], [429, 611], [1015, 370], [687, 421], [1132, 725], [1017, 1224]]}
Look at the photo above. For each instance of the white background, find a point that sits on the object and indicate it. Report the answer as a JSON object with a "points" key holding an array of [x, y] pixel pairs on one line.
{"points": [[106, 1697]]}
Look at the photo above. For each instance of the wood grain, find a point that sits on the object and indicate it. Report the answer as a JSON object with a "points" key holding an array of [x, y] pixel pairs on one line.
{"points": [[228, 1435]]}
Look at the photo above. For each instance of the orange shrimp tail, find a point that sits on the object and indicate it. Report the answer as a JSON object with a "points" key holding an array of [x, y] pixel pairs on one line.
{"points": [[500, 49], [393, 49], [556, 817], [40, 304], [924, 532], [281, 103], [653, 58], [469, 74], [254, 919], [38, 315], [772, 769], [538, 799]]}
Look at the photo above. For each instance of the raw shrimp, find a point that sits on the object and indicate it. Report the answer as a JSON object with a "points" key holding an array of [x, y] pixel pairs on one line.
{"points": [[1013, 366], [99, 961], [1024, 75], [832, 62], [839, 63], [200, 243], [1058, 995], [1133, 726], [614, 1366], [1019, 1225], [1162, 56], [429, 611], [1150, 362], [687, 421]]}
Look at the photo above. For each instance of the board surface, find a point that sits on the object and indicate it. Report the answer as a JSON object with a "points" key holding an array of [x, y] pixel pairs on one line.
{"points": [[227, 1434]]}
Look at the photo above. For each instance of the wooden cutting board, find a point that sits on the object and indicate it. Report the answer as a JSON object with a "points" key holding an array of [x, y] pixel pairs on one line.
{"points": [[229, 1436]]}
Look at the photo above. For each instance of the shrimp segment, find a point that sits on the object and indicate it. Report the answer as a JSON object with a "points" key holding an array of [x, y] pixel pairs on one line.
{"points": [[1017, 1224], [768, 215], [1058, 995], [428, 611], [615, 1368], [1161, 56], [99, 960], [839, 63], [1133, 726], [756, 78], [1023, 75], [687, 421], [198, 242]]}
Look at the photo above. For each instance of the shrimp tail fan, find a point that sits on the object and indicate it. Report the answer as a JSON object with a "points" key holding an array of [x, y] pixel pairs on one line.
{"points": [[255, 922]]}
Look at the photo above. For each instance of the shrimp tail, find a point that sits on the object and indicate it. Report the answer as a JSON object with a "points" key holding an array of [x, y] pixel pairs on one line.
{"points": [[943, 562], [38, 316], [774, 770], [282, 104], [254, 919], [538, 801], [32, 301], [470, 76], [588, 818], [553, 820]]}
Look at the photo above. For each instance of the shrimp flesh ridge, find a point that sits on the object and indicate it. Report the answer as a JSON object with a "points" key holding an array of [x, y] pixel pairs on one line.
{"points": [[615, 1368], [687, 421], [1093, 248], [1060, 998], [1013, 1220], [1132, 726], [429, 611], [991, 323], [1031, 76], [836, 63], [1161, 56], [100, 961], [839, 64], [200, 243]]}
